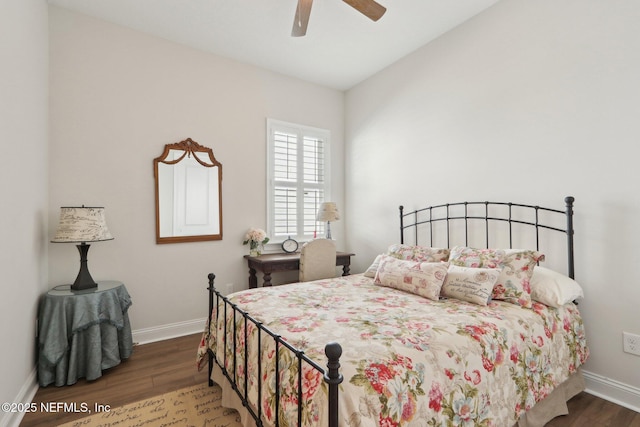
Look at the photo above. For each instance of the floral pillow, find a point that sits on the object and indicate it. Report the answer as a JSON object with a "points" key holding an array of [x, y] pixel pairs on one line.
{"points": [[517, 266], [418, 253], [412, 253], [421, 278], [470, 284]]}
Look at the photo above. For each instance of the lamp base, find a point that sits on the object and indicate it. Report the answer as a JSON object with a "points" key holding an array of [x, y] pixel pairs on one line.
{"points": [[328, 232], [84, 279]]}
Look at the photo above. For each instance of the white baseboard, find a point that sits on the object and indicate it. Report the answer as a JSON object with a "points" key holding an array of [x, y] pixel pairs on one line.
{"points": [[612, 390], [25, 395], [171, 330]]}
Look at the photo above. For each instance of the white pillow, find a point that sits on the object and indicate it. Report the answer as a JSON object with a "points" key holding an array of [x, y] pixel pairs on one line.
{"points": [[371, 271], [552, 288]]}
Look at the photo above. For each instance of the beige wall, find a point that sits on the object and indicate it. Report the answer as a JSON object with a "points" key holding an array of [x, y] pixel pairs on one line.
{"points": [[117, 97], [23, 184], [527, 102]]}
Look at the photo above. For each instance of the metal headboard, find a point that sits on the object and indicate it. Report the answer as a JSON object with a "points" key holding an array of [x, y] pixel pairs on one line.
{"points": [[447, 217]]}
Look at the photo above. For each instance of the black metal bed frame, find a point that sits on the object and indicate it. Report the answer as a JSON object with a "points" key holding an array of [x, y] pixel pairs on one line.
{"points": [[431, 215], [333, 351]]}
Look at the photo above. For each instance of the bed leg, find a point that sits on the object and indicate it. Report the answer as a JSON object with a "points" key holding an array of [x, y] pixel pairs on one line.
{"points": [[211, 289], [333, 378], [210, 367]]}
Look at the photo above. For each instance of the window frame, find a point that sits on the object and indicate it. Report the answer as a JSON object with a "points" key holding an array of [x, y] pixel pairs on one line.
{"points": [[300, 131]]}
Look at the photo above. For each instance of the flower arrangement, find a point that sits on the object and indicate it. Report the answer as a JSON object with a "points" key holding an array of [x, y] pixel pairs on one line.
{"points": [[255, 238]]}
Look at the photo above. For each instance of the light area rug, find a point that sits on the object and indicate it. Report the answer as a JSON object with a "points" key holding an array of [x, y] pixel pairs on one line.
{"points": [[196, 406]]}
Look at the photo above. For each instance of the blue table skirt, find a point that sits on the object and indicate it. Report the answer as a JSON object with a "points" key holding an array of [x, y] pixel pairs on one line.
{"points": [[81, 334]]}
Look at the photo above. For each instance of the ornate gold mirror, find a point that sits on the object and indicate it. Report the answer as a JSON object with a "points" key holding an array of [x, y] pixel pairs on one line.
{"points": [[188, 194]]}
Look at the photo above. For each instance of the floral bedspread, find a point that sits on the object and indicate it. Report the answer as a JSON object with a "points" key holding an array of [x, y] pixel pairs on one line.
{"points": [[407, 360]]}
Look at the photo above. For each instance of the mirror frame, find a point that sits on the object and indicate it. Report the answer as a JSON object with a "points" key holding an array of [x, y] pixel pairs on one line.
{"points": [[190, 147]]}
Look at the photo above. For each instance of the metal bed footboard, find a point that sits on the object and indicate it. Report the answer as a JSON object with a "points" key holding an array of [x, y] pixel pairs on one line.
{"points": [[331, 375]]}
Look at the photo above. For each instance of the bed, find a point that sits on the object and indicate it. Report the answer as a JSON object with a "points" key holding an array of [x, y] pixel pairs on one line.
{"points": [[440, 330]]}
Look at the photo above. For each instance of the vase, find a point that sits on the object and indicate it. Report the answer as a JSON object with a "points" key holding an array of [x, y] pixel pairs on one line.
{"points": [[257, 251]]}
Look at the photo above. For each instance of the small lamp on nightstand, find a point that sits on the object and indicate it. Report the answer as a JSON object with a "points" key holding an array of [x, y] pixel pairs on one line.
{"points": [[82, 225], [328, 212]]}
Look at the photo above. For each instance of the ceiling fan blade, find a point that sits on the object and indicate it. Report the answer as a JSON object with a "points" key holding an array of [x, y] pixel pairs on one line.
{"points": [[368, 8], [301, 20]]}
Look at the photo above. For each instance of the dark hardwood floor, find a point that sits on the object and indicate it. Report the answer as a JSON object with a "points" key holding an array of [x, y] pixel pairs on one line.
{"points": [[164, 366], [586, 410], [153, 369]]}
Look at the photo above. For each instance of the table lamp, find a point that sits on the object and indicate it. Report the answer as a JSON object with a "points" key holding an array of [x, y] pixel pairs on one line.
{"points": [[328, 212], [82, 225]]}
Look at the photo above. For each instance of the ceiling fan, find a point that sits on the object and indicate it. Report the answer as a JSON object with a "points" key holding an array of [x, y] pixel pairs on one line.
{"points": [[368, 8]]}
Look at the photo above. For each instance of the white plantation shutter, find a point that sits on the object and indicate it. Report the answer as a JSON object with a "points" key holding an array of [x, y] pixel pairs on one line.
{"points": [[297, 184], [312, 199]]}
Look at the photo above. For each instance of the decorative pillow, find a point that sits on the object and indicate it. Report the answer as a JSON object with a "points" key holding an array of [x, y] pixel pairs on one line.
{"points": [[553, 289], [412, 253], [470, 284], [420, 278], [418, 253], [371, 271], [517, 265]]}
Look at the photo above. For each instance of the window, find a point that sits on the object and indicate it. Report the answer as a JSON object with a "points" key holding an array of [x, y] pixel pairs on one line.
{"points": [[297, 179]]}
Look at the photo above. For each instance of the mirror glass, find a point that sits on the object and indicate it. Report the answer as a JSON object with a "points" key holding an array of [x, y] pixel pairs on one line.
{"points": [[188, 194]]}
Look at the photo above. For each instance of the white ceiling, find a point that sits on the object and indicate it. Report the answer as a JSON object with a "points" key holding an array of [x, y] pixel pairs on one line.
{"points": [[342, 47]]}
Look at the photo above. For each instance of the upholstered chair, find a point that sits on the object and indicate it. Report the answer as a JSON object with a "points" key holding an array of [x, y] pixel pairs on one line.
{"points": [[318, 260]]}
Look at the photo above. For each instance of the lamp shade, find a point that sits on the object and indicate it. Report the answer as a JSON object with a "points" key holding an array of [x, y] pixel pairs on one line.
{"points": [[82, 224], [328, 212]]}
